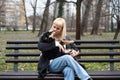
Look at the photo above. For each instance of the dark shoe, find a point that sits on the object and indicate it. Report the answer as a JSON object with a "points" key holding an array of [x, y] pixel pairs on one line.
{"points": [[90, 79]]}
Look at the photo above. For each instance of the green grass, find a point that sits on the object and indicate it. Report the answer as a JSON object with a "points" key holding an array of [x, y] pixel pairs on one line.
{"points": [[28, 35]]}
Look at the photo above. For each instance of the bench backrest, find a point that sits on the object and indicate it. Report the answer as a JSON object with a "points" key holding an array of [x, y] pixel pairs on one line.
{"points": [[27, 48]]}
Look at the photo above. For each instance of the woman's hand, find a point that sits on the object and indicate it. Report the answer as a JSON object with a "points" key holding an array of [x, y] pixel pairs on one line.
{"points": [[68, 51], [52, 34], [74, 53], [61, 49]]}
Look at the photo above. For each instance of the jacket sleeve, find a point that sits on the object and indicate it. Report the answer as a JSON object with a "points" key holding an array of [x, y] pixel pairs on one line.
{"points": [[45, 46]]}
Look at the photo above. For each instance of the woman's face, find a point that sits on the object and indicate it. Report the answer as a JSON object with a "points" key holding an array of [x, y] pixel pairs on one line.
{"points": [[57, 29]]}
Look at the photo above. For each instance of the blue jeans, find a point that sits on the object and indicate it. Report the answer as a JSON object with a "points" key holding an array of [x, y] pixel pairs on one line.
{"points": [[69, 67]]}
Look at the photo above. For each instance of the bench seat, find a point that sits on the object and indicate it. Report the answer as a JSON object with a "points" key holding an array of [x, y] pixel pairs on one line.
{"points": [[33, 75]]}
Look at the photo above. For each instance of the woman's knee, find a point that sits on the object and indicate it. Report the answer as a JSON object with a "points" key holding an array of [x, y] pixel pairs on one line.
{"points": [[68, 57]]}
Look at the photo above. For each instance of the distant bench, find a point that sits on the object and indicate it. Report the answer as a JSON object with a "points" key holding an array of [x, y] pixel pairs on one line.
{"points": [[21, 50]]}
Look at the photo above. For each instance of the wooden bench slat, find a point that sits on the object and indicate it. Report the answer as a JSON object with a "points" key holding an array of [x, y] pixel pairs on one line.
{"points": [[21, 60], [99, 53], [80, 47], [35, 73], [79, 60], [98, 46], [55, 78], [96, 41], [98, 60], [76, 41], [80, 54], [23, 42], [23, 54], [21, 47], [31, 75]]}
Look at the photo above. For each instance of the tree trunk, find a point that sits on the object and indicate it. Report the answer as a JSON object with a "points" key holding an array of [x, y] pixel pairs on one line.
{"points": [[55, 9], [25, 15], [117, 30], [60, 11], [1, 20], [97, 18], [85, 17], [44, 21], [78, 27], [34, 18]]}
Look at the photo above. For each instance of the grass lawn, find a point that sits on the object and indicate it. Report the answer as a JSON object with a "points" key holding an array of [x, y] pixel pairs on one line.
{"points": [[28, 35]]}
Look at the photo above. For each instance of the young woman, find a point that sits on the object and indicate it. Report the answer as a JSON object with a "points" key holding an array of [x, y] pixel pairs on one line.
{"points": [[58, 53]]}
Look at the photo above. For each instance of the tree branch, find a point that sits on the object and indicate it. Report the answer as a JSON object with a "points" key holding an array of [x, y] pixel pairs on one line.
{"points": [[70, 2], [58, 1]]}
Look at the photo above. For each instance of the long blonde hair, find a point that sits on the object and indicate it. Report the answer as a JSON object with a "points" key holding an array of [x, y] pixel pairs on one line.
{"points": [[61, 23]]}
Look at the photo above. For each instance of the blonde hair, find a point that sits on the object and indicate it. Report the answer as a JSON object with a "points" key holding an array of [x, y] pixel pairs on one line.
{"points": [[61, 23]]}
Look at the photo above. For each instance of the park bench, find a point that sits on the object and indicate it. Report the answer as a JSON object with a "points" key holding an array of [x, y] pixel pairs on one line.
{"points": [[107, 51]]}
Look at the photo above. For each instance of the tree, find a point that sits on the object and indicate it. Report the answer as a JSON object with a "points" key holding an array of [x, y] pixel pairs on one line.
{"points": [[78, 19], [61, 4], [116, 15], [23, 1], [34, 5], [1, 9], [55, 10], [97, 18], [85, 16], [44, 23]]}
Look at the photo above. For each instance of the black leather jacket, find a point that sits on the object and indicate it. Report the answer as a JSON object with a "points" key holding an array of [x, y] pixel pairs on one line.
{"points": [[49, 51]]}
